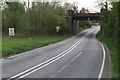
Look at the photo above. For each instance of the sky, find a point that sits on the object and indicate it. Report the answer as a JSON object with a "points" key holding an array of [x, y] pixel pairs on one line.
{"points": [[89, 4], [92, 5]]}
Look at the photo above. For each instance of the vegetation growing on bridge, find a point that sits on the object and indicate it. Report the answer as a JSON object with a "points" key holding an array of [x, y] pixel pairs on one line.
{"points": [[109, 34]]}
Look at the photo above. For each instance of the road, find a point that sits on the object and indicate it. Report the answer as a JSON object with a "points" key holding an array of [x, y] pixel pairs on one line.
{"points": [[81, 56]]}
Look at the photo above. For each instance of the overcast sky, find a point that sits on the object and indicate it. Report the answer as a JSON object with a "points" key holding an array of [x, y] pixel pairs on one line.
{"points": [[90, 4]]}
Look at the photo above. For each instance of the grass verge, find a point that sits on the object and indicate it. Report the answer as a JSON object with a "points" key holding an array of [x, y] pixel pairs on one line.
{"points": [[11, 46], [82, 29], [17, 45], [113, 48]]}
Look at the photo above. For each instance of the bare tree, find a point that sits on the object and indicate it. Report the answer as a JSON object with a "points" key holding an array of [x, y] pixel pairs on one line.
{"points": [[75, 7]]}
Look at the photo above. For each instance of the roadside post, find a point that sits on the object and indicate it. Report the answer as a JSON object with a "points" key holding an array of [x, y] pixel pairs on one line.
{"points": [[58, 29], [11, 32]]}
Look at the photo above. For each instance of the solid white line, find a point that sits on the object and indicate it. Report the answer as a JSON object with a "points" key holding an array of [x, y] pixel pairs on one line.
{"points": [[66, 65], [41, 63], [103, 62], [46, 64], [25, 52], [71, 48], [34, 49]]}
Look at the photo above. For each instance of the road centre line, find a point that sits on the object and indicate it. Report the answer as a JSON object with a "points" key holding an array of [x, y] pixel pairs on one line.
{"points": [[34, 49], [69, 49], [47, 62], [102, 66], [66, 64]]}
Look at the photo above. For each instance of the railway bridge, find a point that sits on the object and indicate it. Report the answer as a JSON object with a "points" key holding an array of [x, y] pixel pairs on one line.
{"points": [[73, 19]]}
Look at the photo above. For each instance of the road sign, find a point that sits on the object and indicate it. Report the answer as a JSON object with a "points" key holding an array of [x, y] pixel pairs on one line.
{"points": [[11, 32], [57, 28]]}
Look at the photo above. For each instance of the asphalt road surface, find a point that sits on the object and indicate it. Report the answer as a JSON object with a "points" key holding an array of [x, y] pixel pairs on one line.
{"points": [[81, 56]]}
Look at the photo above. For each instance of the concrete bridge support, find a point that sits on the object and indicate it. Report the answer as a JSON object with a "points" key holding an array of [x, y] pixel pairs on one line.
{"points": [[74, 19], [71, 22]]}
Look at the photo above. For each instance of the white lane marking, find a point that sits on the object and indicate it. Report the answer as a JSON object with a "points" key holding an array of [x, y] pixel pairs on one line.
{"points": [[2, 59], [27, 52], [103, 62], [44, 62], [77, 56], [34, 49], [66, 65], [63, 68], [71, 48], [47, 63]]}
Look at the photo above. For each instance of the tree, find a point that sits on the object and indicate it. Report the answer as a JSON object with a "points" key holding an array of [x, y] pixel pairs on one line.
{"points": [[12, 15], [75, 7], [83, 10], [39, 18], [84, 23], [110, 22]]}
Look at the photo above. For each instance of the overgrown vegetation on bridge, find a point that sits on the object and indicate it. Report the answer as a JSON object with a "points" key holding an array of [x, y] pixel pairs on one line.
{"points": [[110, 23]]}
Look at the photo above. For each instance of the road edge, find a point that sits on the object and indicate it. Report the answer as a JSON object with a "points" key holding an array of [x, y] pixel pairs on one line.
{"points": [[109, 56]]}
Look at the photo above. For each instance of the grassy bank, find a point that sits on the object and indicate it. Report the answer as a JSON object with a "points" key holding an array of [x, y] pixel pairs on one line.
{"points": [[82, 29], [11, 46], [113, 48], [17, 45]]}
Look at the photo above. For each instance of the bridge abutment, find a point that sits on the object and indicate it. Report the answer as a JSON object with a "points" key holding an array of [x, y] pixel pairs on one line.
{"points": [[74, 19], [71, 22]]}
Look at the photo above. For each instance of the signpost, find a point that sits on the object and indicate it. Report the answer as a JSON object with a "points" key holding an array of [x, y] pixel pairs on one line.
{"points": [[11, 32], [57, 28]]}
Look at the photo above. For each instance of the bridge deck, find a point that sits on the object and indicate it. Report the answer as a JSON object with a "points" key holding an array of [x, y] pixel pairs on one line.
{"points": [[86, 16]]}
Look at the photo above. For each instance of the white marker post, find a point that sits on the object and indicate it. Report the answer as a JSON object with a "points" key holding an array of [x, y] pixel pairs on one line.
{"points": [[11, 32], [57, 29]]}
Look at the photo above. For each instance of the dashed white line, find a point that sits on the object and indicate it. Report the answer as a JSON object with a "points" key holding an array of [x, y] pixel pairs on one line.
{"points": [[30, 51], [48, 63], [41, 65], [26, 72], [66, 65]]}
